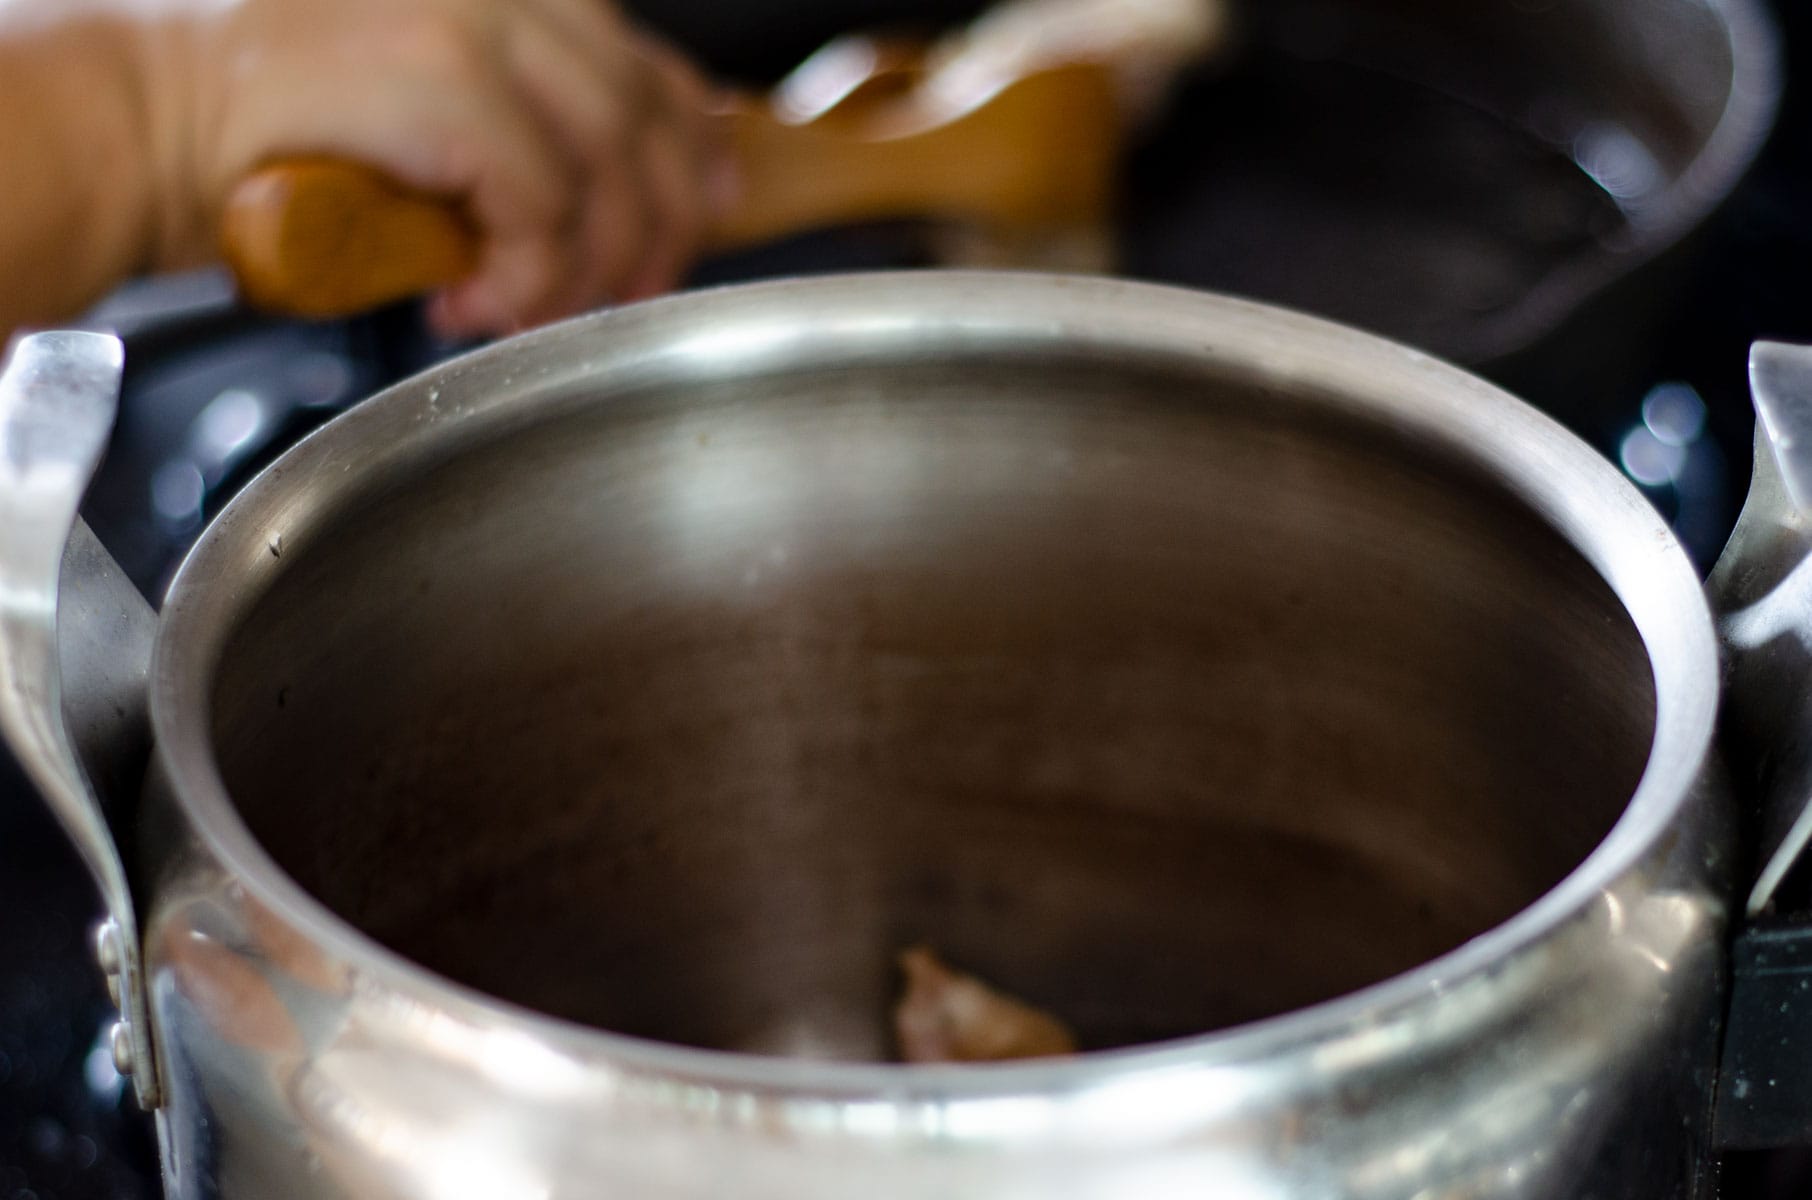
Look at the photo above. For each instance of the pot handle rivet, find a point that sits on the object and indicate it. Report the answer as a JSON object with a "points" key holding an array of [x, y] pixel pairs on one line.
{"points": [[107, 946], [119, 1043]]}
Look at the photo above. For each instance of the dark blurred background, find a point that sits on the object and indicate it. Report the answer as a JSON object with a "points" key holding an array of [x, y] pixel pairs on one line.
{"points": [[213, 393]]}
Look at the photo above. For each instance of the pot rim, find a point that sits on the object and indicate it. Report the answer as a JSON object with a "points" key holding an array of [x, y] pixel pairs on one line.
{"points": [[1561, 479], [1743, 127], [1737, 138]]}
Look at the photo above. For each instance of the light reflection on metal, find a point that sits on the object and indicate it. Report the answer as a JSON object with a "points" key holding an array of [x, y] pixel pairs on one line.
{"points": [[1158, 1107], [98, 1072], [1613, 908], [1675, 413], [513, 1058], [1782, 613], [321, 380], [997, 1119], [1667, 450], [1659, 451], [1620, 163], [463, 1165], [177, 493], [747, 344], [824, 80], [230, 420], [223, 434], [1222, 1175], [1781, 377], [1649, 460]]}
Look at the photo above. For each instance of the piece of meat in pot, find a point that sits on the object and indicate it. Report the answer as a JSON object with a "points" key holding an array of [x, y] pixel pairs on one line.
{"points": [[946, 1016]]}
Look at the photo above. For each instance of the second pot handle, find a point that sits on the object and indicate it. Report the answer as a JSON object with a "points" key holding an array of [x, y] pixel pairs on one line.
{"points": [[1762, 592], [75, 637]]}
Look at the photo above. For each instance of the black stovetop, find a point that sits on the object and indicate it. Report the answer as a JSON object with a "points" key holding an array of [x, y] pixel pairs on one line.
{"points": [[67, 1128]]}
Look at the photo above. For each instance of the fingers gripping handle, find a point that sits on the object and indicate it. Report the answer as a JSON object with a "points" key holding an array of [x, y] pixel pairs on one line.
{"points": [[58, 393], [316, 237]]}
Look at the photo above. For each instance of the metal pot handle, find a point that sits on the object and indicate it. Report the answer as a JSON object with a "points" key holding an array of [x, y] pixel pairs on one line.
{"points": [[1762, 591], [75, 638]]}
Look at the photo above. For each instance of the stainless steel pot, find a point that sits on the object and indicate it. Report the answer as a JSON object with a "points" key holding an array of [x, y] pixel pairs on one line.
{"points": [[551, 753]]}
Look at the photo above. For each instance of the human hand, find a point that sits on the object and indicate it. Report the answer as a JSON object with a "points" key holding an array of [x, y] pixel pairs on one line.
{"points": [[583, 151]]}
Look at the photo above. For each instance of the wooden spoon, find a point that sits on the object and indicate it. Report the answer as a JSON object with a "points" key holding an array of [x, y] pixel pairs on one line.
{"points": [[992, 129]]}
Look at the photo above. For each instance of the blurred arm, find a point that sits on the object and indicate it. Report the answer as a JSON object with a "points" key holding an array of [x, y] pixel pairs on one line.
{"points": [[75, 191]]}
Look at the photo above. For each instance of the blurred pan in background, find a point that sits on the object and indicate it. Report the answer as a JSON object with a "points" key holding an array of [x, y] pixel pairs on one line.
{"points": [[1510, 184]]}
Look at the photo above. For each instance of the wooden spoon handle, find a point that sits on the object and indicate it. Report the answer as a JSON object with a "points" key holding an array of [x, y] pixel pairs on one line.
{"points": [[321, 238]]}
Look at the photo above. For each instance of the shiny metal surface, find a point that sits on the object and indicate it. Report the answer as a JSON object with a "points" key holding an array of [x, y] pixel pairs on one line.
{"points": [[1763, 592], [104, 633], [1173, 661], [1781, 379], [57, 395]]}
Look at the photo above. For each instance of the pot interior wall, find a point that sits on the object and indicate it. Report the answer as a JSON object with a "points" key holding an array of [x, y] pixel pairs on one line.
{"points": [[1157, 697]]}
